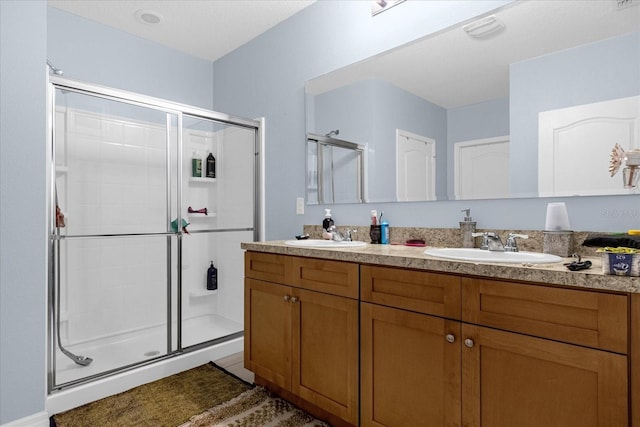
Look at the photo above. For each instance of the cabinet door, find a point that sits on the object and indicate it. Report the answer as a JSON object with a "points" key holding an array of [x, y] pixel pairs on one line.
{"points": [[325, 352], [267, 323], [518, 380], [410, 369]]}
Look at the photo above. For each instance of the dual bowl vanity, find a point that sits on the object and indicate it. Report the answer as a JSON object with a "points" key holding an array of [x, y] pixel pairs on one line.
{"points": [[391, 335]]}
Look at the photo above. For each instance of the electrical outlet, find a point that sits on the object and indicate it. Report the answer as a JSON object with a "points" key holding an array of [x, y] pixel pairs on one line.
{"points": [[300, 206]]}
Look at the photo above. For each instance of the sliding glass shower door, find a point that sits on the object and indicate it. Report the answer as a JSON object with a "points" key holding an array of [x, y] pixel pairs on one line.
{"points": [[133, 230], [219, 204]]}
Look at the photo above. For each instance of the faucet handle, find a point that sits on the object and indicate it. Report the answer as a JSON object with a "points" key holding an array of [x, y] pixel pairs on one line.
{"points": [[349, 233], [485, 239], [512, 245]]}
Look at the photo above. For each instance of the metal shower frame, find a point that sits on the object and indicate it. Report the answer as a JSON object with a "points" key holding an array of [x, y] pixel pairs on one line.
{"points": [[56, 81]]}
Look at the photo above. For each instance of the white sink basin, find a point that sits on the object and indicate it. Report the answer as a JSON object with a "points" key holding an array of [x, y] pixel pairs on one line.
{"points": [[319, 243], [481, 255]]}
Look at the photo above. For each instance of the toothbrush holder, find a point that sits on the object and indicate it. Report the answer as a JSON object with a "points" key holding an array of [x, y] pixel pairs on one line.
{"points": [[375, 232]]}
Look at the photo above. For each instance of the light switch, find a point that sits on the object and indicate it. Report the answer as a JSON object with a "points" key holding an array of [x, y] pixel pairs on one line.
{"points": [[300, 206]]}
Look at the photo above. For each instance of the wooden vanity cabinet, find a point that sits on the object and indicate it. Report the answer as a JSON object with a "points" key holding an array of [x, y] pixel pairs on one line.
{"points": [[519, 354], [410, 352], [440, 349], [544, 356], [304, 342]]}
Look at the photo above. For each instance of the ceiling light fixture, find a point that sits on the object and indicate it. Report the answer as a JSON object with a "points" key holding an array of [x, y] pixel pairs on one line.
{"points": [[484, 28], [378, 6], [148, 17]]}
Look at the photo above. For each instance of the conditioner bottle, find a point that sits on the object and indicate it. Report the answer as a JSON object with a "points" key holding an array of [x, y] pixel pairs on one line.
{"points": [[212, 278]]}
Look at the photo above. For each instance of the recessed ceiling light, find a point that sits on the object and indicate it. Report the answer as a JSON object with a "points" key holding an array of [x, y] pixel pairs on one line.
{"points": [[148, 17]]}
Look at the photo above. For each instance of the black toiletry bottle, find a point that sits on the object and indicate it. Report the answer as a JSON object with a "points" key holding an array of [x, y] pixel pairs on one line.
{"points": [[212, 278], [327, 221], [211, 166]]}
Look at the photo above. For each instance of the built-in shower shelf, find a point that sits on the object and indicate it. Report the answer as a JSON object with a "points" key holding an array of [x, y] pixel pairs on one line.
{"points": [[61, 170], [203, 180], [201, 293]]}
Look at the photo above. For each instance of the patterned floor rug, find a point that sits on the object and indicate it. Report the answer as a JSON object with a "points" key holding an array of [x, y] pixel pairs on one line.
{"points": [[168, 402], [255, 407]]}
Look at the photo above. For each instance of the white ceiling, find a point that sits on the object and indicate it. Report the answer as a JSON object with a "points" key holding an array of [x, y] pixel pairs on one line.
{"points": [[207, 29]]}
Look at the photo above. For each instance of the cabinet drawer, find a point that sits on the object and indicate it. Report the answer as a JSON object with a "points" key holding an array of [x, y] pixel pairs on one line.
{"points": [[333, 277], [267, 267], [593, 319], [424, 292]]}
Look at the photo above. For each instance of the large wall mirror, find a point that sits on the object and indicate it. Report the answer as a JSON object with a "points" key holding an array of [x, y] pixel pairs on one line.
{"points": [[525, 101]]}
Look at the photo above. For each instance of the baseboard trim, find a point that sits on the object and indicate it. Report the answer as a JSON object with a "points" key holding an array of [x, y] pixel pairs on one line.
{"points": [[41, 419]]}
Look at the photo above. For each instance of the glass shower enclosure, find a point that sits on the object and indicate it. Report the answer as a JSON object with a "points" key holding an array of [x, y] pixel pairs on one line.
{"points": [[147, 199]]}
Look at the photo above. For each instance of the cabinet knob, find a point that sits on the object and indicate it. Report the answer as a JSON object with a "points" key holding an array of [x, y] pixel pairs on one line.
{"points": [[286, 298], [450, 338], [294, 299], [469, 342]]}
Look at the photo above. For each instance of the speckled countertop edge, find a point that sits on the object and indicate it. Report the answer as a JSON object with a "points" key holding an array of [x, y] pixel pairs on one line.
{"points": [[414, 258]]}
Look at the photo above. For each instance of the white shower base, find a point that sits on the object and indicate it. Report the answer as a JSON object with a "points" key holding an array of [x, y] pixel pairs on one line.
{"points": [[131, 348]]}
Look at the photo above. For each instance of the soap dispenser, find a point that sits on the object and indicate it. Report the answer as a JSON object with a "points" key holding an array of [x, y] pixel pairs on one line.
{"points": [[467, 227], [327, 223]]}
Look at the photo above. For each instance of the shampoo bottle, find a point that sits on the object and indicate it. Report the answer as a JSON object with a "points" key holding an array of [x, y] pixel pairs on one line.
{"points": [[211, 166], [196, 165], [212, 278]]}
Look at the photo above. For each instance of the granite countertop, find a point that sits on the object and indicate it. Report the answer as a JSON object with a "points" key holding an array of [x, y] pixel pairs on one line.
{"points": [[414, 257]]}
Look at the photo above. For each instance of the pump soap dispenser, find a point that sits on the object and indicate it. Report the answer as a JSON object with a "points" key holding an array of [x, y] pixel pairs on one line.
{"points": [[467, 228], [327, 223]]}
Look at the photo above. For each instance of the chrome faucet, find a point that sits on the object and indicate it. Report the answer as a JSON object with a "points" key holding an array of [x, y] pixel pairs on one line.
{"points": [[512, 245], [490, 241], [337, 236]]}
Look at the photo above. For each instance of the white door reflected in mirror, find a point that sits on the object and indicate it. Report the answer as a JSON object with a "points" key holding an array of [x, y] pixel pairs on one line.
{"points": [[481, 168], [575, 146], [415, 167]]}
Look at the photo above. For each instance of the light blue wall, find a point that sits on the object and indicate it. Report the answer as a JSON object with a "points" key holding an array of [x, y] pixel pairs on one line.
{"points": [[29, 34], [477, 121], [266, 77], [610, 69], [396, 108], [95, 53], [369, 112], [23, 27]]}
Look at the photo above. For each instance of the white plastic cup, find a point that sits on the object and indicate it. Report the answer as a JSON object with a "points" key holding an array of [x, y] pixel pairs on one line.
{"points": [[557, 217]]}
